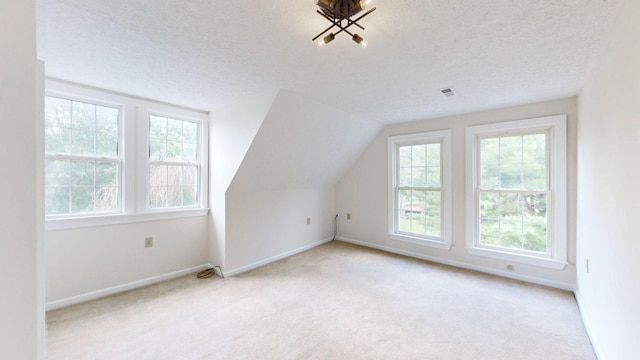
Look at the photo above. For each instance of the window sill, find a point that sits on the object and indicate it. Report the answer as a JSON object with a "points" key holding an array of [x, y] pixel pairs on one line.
{"points": [[421, 241], [91, 221], [518, 258]]}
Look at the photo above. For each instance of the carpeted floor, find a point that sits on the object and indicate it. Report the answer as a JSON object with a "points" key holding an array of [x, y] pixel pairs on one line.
{"points": [[336, 301]]}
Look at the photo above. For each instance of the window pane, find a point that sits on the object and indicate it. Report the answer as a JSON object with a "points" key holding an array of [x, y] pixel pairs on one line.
{"points": [[82, 199], [404, 179], [534, 148], [106, 173], [433, 176], [511, 149], [57, 140], [489, 176], [174, 175], [418, 155], [157, 149], [174, 196], [433, 206], [490, 232], [534, 176], [190, 153], [489, 206], [511, 176], [190, 132], [57, 112], [174, 130], [404, 156], [490, 151], [57, 172], [535, 208], [175, 141], [419, 176], [82, 173], [106, 198], [189, 195], [190, 176], [510, 207], [56, 200], [535, 237], [158, 175], [433, 155], [157, 127], [157, 197], [83, 142], [83, 116], [174, 151], [513, 221]]}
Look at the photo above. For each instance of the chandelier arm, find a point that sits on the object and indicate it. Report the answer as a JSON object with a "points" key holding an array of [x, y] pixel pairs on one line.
{"points": [[343, 29], [351, 22], [365, 14], [322, 33]]}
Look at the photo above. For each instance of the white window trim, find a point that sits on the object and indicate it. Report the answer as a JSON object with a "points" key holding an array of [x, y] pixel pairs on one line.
{"points": [[557, 221], [133, 150], [444, 137], [143, 151], [119, 158]]}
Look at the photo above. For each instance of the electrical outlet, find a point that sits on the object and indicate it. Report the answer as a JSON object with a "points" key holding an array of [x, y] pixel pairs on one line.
{"points": [[308, 221], [148, 242], [348, 216]]}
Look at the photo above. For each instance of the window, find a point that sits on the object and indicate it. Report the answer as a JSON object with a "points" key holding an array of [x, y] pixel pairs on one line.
{"points": [[82, 165], [173, 162], [517, 191], [419, 194], [112, 158]]}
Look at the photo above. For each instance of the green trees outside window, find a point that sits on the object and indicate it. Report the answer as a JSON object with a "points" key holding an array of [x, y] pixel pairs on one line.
{"points": [[81, 157], [513, 192]]}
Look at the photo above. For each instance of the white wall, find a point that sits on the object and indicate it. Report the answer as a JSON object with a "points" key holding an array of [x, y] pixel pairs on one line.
{"points": [[288, 174], [363, 193], [22, 324], [608, 200], [264, 226], [87, 263], [232, 128]]}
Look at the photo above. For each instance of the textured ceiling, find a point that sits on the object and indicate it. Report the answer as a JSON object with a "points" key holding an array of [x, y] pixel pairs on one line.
{"points": [[206, 53]]}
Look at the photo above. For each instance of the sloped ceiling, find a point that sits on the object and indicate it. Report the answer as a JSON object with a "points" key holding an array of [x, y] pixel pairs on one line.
{"points": [[302, 143], [205, 53]]}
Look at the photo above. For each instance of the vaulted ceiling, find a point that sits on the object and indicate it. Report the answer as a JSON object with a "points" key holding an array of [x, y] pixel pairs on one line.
{"points": [[206, 53]]}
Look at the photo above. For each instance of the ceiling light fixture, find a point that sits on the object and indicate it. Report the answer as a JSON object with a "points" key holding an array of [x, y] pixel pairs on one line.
{"points": [[340, 13]]}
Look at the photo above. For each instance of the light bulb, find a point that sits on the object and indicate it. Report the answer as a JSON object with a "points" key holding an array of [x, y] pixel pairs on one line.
{"points": [[327, 39], [359, 40]]}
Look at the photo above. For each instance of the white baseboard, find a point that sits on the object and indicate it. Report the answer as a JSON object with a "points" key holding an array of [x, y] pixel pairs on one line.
{"points": [[587, 326], [509, 275], [274, 258], [121, 288]]}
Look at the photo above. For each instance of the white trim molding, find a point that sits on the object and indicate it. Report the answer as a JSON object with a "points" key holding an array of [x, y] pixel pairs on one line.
{"points": [[93, 295], [501, 273], [275, 258], [442, 137]]}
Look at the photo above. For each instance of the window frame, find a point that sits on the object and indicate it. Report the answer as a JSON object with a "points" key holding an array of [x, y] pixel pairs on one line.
{"points": [[118, 159], [443, 137], [200, 154], [133, 149], [556, 162]]}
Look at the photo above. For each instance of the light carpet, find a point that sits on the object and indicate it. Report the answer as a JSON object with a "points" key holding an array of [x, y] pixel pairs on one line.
{"points": [[336, 301]]}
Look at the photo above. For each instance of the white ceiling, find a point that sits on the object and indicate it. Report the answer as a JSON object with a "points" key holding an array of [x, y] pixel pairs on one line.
{"points": [[206, 53]]}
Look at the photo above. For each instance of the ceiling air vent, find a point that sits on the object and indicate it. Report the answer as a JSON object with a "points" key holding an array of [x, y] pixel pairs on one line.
{"points": [[448, 92]]}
